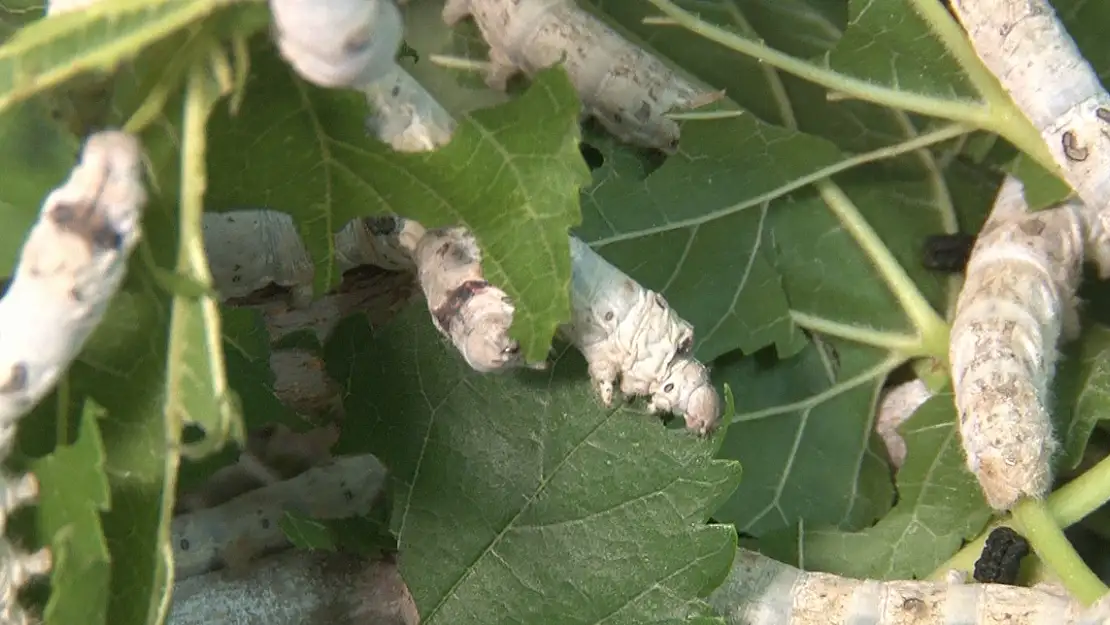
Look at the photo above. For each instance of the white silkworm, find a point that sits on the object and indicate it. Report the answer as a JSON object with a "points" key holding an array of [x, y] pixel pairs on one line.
{"points": [[338, 43], [762, 591], [1018, 299], [71, 265], [249, 524], [896, 406], [628, 332], [624, 87], [251, 249], [471, 312]]}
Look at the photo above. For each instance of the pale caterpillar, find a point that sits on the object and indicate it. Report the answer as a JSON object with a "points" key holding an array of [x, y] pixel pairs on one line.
{"points": [[898, 404], [297, 587], [248, 525], [628, 90], [1019, 297], [71, 265], [628, 332], [338, 43], [763, 591]]}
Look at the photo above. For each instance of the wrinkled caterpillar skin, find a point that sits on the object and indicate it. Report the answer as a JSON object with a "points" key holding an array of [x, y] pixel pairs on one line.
{"points": [[248, 525], [629, 333], [250, 249], [762, 591], [382, 241], [1017, 301], [338, 43], [73, 262], [465, 308], [625, 88]]}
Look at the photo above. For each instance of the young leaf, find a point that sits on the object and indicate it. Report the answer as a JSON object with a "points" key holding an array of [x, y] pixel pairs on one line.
{"points": [[99, 37], [939, 506], [74, 491], [520, 212], [510, 490], [803, 432]]}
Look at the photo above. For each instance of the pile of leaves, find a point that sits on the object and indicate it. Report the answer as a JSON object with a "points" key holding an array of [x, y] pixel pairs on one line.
{"points": [[519, 497]]}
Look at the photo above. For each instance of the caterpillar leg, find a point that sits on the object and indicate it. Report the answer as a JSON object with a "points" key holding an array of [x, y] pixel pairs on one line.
{"points": [[501, 70], [17, 492], [604, 374]]}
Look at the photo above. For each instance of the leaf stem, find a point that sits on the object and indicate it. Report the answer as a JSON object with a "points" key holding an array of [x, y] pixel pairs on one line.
{"points": [[974, 113], [932, 328], [880, 370], [903, 344], [1068, 505], [952, 36], [1036, 524]]}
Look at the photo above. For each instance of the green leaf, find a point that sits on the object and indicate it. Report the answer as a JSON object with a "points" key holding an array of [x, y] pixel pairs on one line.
{"points": [[1083, 386], [890, 44], [520, 499], [803, 432], [304, 532], [98, 38], [123, 369], [74, 491], [198, 390], [694, 228], [36, 155], [303, 150], [939, 507]]}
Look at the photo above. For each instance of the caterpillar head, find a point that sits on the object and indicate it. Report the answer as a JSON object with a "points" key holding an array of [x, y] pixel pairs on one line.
{"points": [[477, 317], [686, 390]]}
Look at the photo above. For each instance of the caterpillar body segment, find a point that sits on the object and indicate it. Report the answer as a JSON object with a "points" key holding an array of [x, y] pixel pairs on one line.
{"points": [[1018, 299], [72, 264], [338, 43], [763, 591], [386, 241], [628, 90], [252, 248], [631, 334], [248, 525], [474, 314]]}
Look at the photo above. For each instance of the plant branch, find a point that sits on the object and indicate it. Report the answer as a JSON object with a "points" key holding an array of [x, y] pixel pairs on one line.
{"points": [[933, 329], [1036, 524], [1068, 505], [902, 344]]}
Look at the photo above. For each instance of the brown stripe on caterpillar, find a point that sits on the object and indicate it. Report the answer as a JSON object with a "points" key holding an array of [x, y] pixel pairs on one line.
{"points": [[448, 312], [81, 218]]}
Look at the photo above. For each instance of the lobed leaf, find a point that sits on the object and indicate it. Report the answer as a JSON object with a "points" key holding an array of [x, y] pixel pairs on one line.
{"points": [[939, 507], [98, 38], [803, 431], [519, 498], [520, 211], [74, 491]]}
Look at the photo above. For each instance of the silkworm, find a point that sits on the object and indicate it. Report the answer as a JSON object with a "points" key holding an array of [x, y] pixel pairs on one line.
{"points": [[71, 265], [630, 333], [338, 43], [762, 591], [628, 90], [1017, 301], [248, 525]]}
